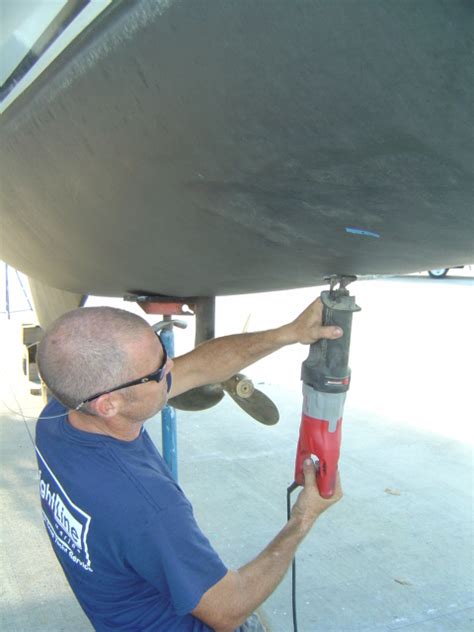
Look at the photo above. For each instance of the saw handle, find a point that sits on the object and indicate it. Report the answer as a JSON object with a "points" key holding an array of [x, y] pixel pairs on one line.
{"points": [[316, 440]]}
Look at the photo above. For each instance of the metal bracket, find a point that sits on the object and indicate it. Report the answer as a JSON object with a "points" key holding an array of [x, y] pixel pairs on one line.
{"points": [[168, 324], [339, 298], [164, 305], [343, 280]]}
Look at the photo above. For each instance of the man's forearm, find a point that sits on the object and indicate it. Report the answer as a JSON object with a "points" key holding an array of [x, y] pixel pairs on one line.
{"points": [[219, 359], [259, 578], [229, 602], [242, 592], [228, 355]]}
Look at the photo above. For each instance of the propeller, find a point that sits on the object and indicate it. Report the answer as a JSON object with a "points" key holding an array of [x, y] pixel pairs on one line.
{"points": [[240, 388], [199, 398]]}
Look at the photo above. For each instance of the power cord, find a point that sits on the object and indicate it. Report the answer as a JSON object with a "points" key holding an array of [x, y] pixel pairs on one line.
{"points": [[289, 491]]}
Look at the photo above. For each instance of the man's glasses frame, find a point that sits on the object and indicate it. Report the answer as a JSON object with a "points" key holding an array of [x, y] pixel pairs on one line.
{"points": [[156, 376]]}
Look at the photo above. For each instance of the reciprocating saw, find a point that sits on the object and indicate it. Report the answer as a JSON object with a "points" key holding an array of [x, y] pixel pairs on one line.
{"points": [[326, 377]]}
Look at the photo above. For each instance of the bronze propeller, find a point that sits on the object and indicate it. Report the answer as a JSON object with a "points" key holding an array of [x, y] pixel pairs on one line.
{"points": [[253, 401]]}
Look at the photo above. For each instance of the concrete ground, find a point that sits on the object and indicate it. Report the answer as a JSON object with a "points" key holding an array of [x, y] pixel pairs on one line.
{"points": [[395, 554]]}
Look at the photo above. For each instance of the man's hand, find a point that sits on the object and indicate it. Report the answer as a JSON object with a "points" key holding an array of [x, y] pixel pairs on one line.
{"points": [[308, 328], [310, 504]]}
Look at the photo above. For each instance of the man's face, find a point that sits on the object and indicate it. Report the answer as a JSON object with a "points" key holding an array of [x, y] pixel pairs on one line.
{"points": [[145, 400]]}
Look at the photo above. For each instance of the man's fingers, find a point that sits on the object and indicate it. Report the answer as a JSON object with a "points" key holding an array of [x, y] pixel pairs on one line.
{"points": [[308, 326], [309, 472], [327, 331], [338, 493], [330, 332]]}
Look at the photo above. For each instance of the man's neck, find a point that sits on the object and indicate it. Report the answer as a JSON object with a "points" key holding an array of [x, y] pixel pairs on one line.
{"points": [[116, 427]]}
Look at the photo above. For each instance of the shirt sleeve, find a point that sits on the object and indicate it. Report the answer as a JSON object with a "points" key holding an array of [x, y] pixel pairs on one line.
{"points": [[171, 553]]}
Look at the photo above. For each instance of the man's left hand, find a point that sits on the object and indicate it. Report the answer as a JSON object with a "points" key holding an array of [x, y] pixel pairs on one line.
{"points": [[308, 327]]}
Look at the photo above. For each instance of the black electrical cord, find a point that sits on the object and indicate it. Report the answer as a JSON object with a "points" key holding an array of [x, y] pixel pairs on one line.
{"points": [[291, 489]]}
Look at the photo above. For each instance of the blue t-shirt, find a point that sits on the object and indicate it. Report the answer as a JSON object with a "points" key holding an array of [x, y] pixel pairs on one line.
{"points": [[122, 529]]}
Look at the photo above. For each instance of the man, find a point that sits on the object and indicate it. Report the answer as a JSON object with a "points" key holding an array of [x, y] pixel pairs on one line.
{"points": [[120, 526]]}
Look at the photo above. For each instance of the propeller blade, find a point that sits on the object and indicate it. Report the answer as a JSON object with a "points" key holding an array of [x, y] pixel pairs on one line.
{"points": [[259, 406], [251, 400], [199, 398], [240, 388]]}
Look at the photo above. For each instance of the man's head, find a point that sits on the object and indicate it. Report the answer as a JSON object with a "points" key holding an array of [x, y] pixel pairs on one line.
{"points": [[95, 349]]}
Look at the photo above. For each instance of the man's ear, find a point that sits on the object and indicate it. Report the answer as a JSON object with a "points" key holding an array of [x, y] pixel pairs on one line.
{"points": [[107, 405]]}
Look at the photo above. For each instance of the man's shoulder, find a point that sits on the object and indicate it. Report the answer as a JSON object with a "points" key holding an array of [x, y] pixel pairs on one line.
{"points": [[50, 417]]}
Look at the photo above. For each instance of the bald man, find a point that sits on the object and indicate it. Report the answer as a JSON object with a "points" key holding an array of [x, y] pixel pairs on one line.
{"points": [[121, 528]]}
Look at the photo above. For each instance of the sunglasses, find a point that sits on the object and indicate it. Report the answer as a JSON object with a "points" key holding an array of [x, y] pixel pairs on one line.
{"points": [[156, 376]]}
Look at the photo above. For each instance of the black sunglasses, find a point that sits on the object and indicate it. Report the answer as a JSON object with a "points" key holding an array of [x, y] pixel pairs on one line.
{"points": [[156, 376]]}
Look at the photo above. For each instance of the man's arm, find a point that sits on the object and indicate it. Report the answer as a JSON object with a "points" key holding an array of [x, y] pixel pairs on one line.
{"points": [[226, 605], [221, 358]]}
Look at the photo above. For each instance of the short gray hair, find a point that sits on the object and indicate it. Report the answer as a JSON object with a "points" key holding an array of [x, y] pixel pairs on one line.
{"points": [[84, 352]]}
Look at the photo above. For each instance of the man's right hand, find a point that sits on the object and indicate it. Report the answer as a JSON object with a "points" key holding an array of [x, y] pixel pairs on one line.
{"points": [[310, 504]]}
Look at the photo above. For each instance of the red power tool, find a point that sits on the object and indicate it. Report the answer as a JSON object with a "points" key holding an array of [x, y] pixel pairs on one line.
{"points": [[326, 377]]}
